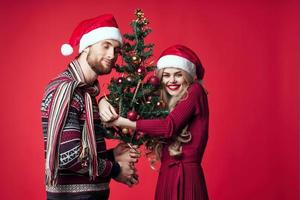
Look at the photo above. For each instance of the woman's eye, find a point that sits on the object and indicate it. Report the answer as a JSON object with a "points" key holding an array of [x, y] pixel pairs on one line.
{"points": [[178, 75]]}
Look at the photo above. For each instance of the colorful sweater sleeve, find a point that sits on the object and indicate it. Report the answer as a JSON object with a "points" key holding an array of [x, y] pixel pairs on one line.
{"points": [[70, 143], [178, 118], [70, 146]]}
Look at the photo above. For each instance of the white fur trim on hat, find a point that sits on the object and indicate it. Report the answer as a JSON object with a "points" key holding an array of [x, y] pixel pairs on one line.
{"points": [[66, 49], [99, 34], [178, 62]]}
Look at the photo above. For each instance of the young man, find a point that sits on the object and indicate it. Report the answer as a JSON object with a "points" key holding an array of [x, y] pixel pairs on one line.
{"points": [[78, 165]]}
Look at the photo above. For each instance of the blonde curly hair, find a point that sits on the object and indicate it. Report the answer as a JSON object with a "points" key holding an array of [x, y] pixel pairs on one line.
{"points": [[175, 148]]}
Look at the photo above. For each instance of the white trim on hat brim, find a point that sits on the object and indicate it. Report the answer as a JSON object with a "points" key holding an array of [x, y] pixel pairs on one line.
{"points": [[177, 62], [96, 35]]}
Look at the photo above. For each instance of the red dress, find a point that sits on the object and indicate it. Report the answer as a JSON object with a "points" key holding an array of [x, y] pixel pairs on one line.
{"points": [[182, 177]]}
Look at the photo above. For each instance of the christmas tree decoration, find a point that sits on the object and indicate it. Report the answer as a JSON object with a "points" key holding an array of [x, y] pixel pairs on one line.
{"points": [[154, 81], [161, 104], [139, 14], [132, 115], [140, 134], [136, 59], [125, 130], [140, 70], [120, 80], [130, 78], [110, 133], [131, 94], [148, 99], [145, 21]]}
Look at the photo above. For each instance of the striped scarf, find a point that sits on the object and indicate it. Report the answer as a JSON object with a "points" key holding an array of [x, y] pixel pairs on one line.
{"points": [[58, 112]]}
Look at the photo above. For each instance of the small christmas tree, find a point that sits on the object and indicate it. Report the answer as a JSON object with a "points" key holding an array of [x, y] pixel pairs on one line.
{"points": [[134, 94]]}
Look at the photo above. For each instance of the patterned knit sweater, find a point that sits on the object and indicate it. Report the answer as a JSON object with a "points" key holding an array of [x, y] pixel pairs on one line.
{"points": [[73, 174]]}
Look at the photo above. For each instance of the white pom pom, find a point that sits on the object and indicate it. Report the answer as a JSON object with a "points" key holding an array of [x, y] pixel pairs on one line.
{"points": [[66, 49]]}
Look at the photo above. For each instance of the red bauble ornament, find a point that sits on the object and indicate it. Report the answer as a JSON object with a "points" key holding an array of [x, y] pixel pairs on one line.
{"points": [[154, 81], [132, 115], [142, 134], [140, 70], [120, 80], [149, 98], [139, 135]]}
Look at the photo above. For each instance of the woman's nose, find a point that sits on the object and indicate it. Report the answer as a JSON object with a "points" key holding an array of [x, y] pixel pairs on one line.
{"points": [[173, 79]]}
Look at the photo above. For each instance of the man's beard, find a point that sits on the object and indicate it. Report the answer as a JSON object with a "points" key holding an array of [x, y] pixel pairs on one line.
{"points": [[97, 67]]}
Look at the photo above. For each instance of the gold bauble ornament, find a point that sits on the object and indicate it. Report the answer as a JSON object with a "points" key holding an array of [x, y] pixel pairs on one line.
{"points": [[129, 78], [125, 130], [136, 59]]}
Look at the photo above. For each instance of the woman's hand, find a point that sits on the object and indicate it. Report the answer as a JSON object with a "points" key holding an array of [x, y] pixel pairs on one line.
{"points": [[121, 122], [116, 122]]}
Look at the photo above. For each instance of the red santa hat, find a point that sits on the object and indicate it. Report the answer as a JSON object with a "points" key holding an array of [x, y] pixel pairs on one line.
{"points": [[91, 31], [181, 57]]}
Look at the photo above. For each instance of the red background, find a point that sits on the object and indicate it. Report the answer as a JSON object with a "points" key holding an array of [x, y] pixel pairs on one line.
{"points": [[250, 52]]}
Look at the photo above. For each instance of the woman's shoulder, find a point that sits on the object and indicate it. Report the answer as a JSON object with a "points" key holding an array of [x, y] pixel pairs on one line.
{"points": [[198, 97], [196, 88]]}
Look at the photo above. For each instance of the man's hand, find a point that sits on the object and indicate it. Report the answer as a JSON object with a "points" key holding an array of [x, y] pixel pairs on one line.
{"points": [[107, 111], [127, 174], [123, 153]]}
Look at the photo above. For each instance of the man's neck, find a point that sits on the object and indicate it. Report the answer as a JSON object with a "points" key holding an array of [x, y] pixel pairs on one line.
{"points": [[89, 75]]}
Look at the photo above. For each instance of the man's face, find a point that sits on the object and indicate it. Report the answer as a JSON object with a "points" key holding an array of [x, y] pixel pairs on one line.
{"points": [[103, 55]]}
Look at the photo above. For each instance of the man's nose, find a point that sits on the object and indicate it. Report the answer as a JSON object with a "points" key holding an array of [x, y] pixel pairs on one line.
{"points": [[111, 53]]}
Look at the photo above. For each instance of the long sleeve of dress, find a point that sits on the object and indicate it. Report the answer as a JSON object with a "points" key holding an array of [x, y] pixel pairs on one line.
{"points": [[180, 116]]}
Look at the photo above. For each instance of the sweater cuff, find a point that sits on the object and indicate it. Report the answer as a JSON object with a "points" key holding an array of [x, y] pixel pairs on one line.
{"points": [[115, 170], [138, 125], [105, 167], [110, 155]]}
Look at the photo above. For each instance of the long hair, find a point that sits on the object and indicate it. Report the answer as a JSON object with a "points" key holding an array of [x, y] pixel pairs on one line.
{"points": [[175, 148]]}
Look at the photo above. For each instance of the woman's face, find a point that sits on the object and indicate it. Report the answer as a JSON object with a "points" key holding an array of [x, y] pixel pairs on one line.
{"points": [[173, 81]]}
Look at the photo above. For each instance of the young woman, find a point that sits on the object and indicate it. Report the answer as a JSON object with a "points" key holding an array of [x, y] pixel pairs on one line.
{"points": [[185, 129]]}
